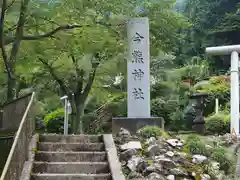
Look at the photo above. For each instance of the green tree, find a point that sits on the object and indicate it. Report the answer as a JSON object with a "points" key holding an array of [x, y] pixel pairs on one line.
{"points": [[213, 23], [78, 47]]}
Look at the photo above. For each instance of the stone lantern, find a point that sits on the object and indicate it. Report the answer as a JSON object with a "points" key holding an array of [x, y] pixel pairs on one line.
{"points": [[198, 105]]}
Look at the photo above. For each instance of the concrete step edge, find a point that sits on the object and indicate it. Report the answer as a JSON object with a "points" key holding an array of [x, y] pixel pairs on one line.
{"points": [[70, 175], [68, 163], [70, 143], [61, 135], [71, 138], [72, 152]]}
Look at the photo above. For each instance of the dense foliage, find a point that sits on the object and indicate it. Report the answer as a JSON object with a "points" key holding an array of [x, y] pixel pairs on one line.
{"points": [[218, 123], [78, 48]]}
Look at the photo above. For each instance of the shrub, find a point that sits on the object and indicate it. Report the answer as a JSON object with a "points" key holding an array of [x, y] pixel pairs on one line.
{"points": [[151, 131], [218, 124], [54, 122], [177, 120], [161, 89], [218, 87], [164, 108], [192, 137], [220, 155], [195, 145]]}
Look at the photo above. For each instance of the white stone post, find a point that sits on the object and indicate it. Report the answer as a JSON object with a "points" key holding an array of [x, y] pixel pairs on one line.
{"points": [[216, 105], [233, 51], [138, 68], [234, 93]]}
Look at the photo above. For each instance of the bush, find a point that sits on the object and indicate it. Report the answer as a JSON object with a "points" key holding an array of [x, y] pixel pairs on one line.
{"points": [[218, 124], [195, 145], [177, 120], [220, 155], [192, 137], [163, 108], [54, 122], [151, 131], [218, 87]]}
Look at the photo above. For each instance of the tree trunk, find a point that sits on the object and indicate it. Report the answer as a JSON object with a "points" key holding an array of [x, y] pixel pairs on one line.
{"points": [[80, 113], [11, 84], [77, 113]]}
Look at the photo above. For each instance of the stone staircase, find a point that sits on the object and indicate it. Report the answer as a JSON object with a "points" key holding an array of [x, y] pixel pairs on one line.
{"points": [[79, 157]]}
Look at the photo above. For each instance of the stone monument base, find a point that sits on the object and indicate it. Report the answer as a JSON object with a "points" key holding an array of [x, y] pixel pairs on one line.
{"points": [[134, 124]]}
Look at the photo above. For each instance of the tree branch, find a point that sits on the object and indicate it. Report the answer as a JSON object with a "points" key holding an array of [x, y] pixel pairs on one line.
{"points": [[19, 30], [79, 74], [12, 28], [13, 1], [46, 35], [91, 77], [56, 30], [54, 75]]}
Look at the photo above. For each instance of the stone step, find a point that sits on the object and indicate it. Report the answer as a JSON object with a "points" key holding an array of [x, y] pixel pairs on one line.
{"points": [[48, 146], [71, 167], [70, 138], [71, 177], [84, 156]]}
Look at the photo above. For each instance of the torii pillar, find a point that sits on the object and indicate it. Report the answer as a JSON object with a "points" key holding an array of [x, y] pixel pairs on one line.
{"points": [[232, 50]]}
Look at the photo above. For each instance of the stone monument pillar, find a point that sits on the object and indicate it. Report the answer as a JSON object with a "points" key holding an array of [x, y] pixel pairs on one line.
{"points": [[138, 68]]}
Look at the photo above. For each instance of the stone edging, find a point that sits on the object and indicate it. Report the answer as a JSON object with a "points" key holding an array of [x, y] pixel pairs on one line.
{"points": [[27, 168], [114, 164]]}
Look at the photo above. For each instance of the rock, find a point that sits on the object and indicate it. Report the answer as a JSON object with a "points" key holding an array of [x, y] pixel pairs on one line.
{"points": [[124, 135], [215, 165], [157, 168], [170, 177], [133, 163], [182, 154], [213, 169], [228, 139], [155, 176], [165, 162], [180, 144], [126, 155], [170, 154], [175, 142], [135, 175], [199, 159], [150, 169], [205, 177], [124, 132], [123, 163], [154, 150], [178, 172], [181, 158], [183, 161], [172, 142], [131, 145], [151, 141], [141, 167]]}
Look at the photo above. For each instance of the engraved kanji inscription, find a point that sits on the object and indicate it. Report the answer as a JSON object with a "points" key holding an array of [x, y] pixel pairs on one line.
{"points": [[137, 56], [138, 93], [137, 74], [137, 38]]}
